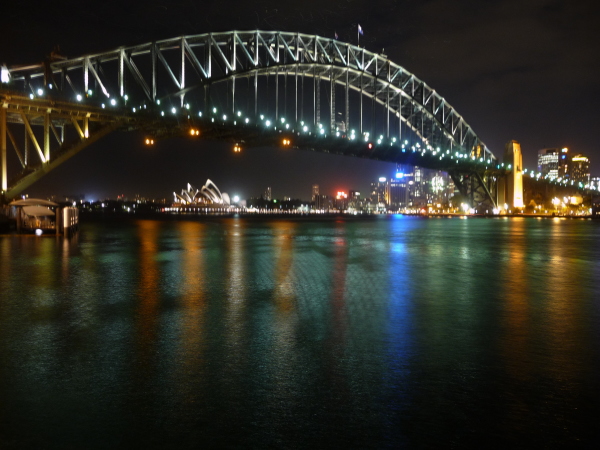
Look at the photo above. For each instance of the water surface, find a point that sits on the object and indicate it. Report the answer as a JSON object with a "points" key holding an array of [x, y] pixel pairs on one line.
{"points": [[379, 333]]}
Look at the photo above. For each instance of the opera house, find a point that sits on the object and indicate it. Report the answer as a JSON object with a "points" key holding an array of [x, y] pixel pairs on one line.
{"points": [[208, 196]]}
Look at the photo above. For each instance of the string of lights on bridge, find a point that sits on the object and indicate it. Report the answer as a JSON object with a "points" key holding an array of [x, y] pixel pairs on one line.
{"points": [[321, 131]]}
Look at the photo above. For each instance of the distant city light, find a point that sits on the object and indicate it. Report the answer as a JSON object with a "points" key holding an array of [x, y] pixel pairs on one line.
{"points": [[5, 74]]}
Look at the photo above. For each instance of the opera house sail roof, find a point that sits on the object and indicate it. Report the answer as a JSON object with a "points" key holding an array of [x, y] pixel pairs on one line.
{"points": [[207, 195]]}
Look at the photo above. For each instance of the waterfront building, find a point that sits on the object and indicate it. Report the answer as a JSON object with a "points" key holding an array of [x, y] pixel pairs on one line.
{"points": [[379, 191], [326, 202], [341, 201], [579, 170], [208, 195], [398, 190], [355, 202], [315, 192]]}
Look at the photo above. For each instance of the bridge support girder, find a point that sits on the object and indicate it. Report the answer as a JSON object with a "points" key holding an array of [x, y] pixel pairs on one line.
{"points": [[39, 122], [479, 187]]}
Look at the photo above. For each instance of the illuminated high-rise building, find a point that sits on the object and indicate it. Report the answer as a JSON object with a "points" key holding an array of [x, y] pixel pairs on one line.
{"points": [[398, 190], [579, 170], [341, 201], [379, 191], [268, 196], [316, 197], [548, 162], [354, 201], [564, 162], [554, 162]]}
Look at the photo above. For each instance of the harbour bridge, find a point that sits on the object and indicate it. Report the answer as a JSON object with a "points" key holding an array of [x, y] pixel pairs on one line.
{"points": [[250, 88]]}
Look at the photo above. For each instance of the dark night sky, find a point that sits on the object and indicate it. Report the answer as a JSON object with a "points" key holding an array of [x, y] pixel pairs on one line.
{"points": [[514, 69]]}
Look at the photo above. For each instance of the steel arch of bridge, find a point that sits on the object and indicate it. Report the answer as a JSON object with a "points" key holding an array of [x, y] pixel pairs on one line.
{"points": [[216, 57], [186, 69]]}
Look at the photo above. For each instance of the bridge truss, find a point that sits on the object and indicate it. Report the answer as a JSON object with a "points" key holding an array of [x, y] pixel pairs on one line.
{"points": [[227, 83]]}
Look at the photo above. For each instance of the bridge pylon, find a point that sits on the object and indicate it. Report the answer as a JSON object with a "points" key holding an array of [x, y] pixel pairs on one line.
{"points": [[510, 186]]}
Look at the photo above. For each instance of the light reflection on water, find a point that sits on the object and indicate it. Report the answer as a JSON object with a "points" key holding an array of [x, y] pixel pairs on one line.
{"points": [[363, 333]]}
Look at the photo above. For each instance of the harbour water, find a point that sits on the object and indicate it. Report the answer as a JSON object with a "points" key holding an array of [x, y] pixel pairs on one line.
{"points": [[244, 333]]}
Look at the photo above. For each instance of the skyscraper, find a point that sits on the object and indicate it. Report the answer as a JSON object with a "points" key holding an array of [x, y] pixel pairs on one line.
{"points": [[316, 198], [379, 190], [548, 162], [579, 171], [267, 194], [564, 162]]}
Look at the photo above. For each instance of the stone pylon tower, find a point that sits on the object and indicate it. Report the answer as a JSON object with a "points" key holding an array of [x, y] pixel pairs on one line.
{"points": [[510, 189]]}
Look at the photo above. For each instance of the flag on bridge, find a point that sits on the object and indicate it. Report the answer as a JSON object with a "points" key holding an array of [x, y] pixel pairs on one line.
{"points": [[360, 30], [336, 35]]}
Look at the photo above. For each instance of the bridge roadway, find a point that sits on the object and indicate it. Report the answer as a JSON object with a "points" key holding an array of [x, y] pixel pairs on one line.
{"points": [[171, 87]]}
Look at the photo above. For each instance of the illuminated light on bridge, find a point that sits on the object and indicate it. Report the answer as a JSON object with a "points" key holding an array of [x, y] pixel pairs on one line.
{"points": [[149, 141], [237, 148]]}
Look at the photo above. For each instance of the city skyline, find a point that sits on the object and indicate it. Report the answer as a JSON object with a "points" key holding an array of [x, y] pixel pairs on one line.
{"points": [[501, 82]]}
